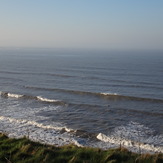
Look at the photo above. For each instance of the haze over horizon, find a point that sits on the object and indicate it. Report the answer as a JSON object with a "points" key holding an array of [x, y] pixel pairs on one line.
{"points": [[81, 24]]}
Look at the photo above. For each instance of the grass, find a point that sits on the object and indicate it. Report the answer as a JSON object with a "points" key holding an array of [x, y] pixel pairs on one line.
{"points": [[25, 151]]}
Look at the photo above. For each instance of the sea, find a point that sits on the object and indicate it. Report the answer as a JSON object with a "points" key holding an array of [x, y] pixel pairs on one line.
{"points": [[90, 98]]}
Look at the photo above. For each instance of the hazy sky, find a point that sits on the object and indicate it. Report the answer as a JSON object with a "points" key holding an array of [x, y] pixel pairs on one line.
{"points": [[103, 24]]}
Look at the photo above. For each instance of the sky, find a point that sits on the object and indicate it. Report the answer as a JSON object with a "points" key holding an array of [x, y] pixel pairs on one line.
{"points": [[95, 24]]}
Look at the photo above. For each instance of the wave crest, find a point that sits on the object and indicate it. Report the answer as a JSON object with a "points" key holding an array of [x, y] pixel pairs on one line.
{"points": [[38, 98], [34, 123], [109, 96], [134, 136]]}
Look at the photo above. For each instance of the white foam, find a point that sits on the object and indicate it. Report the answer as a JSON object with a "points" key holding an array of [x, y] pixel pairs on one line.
{"points": [[47, 134], [14, 95], [33, 123], [107, 93], [45, 99], [129, 144], [77, 144], [50, 134], [135, 137], [18, 121]]}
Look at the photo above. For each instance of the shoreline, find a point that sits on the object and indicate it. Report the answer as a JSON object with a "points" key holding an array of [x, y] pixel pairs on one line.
{"points": [[25, 150], [65, 137]]}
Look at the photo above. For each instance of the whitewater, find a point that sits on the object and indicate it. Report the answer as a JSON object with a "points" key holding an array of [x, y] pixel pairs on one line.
{"points": [[96, 98]]}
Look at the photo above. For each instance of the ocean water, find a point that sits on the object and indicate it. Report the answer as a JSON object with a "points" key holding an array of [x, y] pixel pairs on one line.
{"points": [[88, 98]]}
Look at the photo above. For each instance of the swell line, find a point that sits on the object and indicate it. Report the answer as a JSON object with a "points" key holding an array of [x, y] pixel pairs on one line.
{"points": [[37, 73], [146, 113], [109, 96], [77, 105], [34, 123], [37, 98]]}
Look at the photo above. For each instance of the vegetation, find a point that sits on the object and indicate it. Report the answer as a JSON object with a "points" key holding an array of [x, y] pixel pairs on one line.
{"points": [[25, 151]]}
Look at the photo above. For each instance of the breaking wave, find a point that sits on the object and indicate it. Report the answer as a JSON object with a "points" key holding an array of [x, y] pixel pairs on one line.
{"points": [[134, 146], [38, 98], [33, 123], [134, 136], [109, 96], [48, 134], [59, 136]]}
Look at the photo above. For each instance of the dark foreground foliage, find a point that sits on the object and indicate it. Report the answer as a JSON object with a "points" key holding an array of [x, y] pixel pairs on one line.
{"points": [[25, 151]]}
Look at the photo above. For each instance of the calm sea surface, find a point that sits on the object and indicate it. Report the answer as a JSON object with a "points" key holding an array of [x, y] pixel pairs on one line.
{"points": [[89, 98]]}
